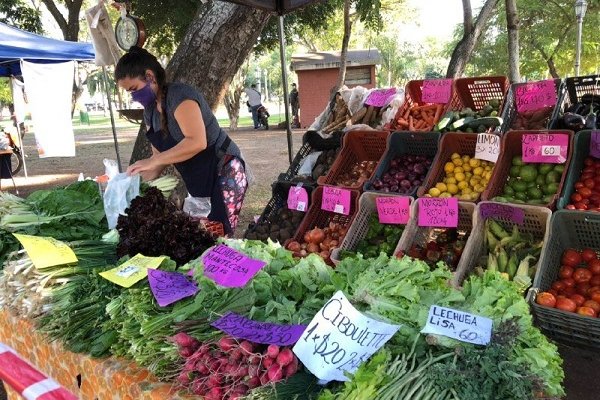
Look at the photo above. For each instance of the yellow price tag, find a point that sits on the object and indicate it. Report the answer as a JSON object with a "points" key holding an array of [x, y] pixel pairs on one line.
{"points": [[133, 270], [46, 251]]}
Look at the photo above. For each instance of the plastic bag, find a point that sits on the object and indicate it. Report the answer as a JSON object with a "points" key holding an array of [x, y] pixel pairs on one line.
{"points": [[308, 163], [110, 168], [197, 206], [392, 107], [121, 189]]}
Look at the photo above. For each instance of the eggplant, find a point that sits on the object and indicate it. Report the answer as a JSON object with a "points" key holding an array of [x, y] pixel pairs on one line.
{"points": [[573, 121], [590, 119]]}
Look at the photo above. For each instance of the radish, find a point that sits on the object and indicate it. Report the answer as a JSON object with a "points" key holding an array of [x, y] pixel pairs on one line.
{"points": [[267, 362], [285, 357], [241, 371], [186, 352], [254, 359], [240, 389], [184, 378], [236, 354], [214, 381], [272, 350], [253, 371], [264, 379], [199, 388], [275, 373], [253, 382], [291, 368], [247, 347], [202, 368], [226, 343], [182, 339]]}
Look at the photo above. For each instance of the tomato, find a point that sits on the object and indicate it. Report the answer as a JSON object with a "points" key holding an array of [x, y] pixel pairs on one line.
{"points": [[578, 299], [569, 282], [553, 292], [576, 197], [585, 192], [594, 266], [570, 291], [559, 286], [581, 206], [588, 255], [594, 289], [589, 183], [587, 170], [578, 185], [565, 271], [582, 275], [587, 311], [589, 161], [566, 304], [586, 201], [596, 180], [570, 207], [595, 281], [546, 299], [583, 288], [595, 297], [571, 257], [593, 305], [595, 197]]}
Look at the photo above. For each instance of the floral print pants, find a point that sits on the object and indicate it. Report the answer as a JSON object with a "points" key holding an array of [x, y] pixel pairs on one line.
{"points": [[234, 185]]}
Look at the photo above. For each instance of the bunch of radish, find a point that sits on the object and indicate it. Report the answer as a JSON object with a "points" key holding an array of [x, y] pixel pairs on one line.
{"points": [[229, 368]]}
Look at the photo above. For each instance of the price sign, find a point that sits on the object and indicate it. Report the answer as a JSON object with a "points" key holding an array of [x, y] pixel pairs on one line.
{"points": [[545, 148], [46, 251], [380, 97], [595, 144], [297, 198], [459, 325], [241, 327], [339, 339], [169, 287], [535, 95], [336, 200], [230, 268], [488, 147], [437, 212], [132, 271], [393, 209], [437, 91], [504, 211]]}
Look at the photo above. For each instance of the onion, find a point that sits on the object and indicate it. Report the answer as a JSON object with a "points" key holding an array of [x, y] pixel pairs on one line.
{"points": [[394, 188], [419, 169], [307, 237], [294, 246], [317, 236], [416, 182], [405, 184], [325, 254], [312, 248], [400, 176]]}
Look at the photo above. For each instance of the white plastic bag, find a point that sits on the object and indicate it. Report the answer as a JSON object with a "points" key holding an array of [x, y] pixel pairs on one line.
{"points": [[121, 189], [308, 163], [110, 168], [197, 206]]}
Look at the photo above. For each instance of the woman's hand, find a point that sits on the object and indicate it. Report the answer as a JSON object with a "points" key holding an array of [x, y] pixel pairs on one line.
{"points": [[149, 168]]}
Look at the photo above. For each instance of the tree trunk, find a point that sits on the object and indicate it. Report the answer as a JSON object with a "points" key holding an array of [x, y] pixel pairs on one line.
{"points": [[344, 52], [69, 26], [232, 104], [471, 35], [512, 25]]}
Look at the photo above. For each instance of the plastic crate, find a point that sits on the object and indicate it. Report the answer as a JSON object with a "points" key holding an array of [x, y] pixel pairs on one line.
{"points": [[581, 150], [509, 113], [413, 96], [419, 235], [536, 222], [358, 146], [400, 143], [512, 146], [367, 206], [475, 93], [451, 142], [568, 229], [575, 88]]}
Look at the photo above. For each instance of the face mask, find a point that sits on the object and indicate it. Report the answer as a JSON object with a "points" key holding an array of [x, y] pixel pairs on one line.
{"points": [[145, 96]]}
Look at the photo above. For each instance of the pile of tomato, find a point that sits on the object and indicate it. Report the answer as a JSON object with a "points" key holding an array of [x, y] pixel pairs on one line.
{"points": [[578, 287], [587, 188]]}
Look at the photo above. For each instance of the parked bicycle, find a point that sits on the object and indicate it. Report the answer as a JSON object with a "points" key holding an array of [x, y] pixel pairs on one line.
{"points": [[16, 157]]}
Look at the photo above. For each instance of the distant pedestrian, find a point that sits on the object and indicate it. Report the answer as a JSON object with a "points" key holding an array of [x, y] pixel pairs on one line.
{"points": [[254, 103], [294, 100]]}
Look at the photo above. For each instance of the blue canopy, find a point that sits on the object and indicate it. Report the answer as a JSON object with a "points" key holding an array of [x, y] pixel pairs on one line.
{"points": [[17, 45]]}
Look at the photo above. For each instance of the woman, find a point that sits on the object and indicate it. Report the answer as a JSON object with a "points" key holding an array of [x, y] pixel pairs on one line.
{"points": [[184, 132]]}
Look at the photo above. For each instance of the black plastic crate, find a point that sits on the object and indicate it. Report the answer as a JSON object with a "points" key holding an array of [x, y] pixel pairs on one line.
{"points": [[575, 88]]}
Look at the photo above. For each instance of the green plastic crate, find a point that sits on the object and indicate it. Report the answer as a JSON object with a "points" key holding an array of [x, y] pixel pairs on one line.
{"points": [[581, 149]]}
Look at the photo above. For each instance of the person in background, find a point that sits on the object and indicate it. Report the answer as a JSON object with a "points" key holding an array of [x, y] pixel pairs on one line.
{"points": [[294, 101], [184, 132], [254, 103]]}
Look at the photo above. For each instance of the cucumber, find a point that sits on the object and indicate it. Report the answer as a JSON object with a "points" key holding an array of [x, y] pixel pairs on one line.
{"points": [[462, 122], [488, 122]]}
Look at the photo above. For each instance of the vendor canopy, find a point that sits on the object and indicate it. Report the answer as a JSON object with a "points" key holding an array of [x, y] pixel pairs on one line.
{"points": [[17, 45], [277, 6]]}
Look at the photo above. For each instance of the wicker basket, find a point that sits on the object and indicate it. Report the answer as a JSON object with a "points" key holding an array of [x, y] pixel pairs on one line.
{"points": [[575, 88], [535, 222], [568, 229], [358, 146], [475, 93], [367, 206], [512, 146], [400, 143]]}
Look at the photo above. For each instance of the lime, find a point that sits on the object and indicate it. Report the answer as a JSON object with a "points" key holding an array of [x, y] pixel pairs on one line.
{"points": [[521, 196], [529, 173], [544, 168], [531, 185], [514, 171], [509, 191], [534, 193], [500, 199], [553, 177], [518, 201], [540, 180], [517, 160], [520, 186], [536, 201], [550, 188], [560, 168], [548, 199]]}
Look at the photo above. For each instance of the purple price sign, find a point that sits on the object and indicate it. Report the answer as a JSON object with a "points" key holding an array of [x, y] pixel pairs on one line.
{"points": [[595, 144], [503, 211], [545, 148], [241, 327], [169, 287], [230, 268], [336, 200], [297, 199], [436, 91], [380, 97], [393, 210], [535, 95], [438, 212]]}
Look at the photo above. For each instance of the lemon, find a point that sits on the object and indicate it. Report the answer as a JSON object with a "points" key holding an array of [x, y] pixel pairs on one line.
{"points": [[488, 175], [467, 191], [449, 167], [457, 161], [478, 171], [479, 188], [434, 192], [462, 185], [487, 168], [459, 177], [474, 162], [454, 155], [427, 195], [445, 195], [466, 159], [450, 180], [464, 197], [441, 186], [458, 169], [474, 196], [452, 188], [467, 167]]}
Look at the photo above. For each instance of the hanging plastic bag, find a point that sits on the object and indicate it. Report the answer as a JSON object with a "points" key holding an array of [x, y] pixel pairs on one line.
{"points": [[121, 189], [197, 206]]}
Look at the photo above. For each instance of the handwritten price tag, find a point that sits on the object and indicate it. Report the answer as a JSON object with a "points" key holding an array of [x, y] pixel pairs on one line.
{"points": [[45, 251], [169, 287], [339, 339], [132, 271], [545, 148], [437, 91], [488, 147], [336, 200], [436, 212], [504, 211], [380, 97], [595, 144], [535, 95], [393, 210], [230, 268], [297, 198], [459, 325], [241, 327]]}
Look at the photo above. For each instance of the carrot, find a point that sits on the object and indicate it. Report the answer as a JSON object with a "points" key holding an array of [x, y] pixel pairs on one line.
{"points": [[410, 123], [438, 113], [406, 113]]}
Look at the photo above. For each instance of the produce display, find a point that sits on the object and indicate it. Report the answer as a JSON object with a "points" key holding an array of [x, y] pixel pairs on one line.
{"points": [[380, 238], [532, 120], [587, 187], [420, 118], [467, 120], [465, 178], [405, 173], [359, 172], [531, 183], [577, 288], [280, 227], [442, 245], [582, 115], [319, 241]]}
